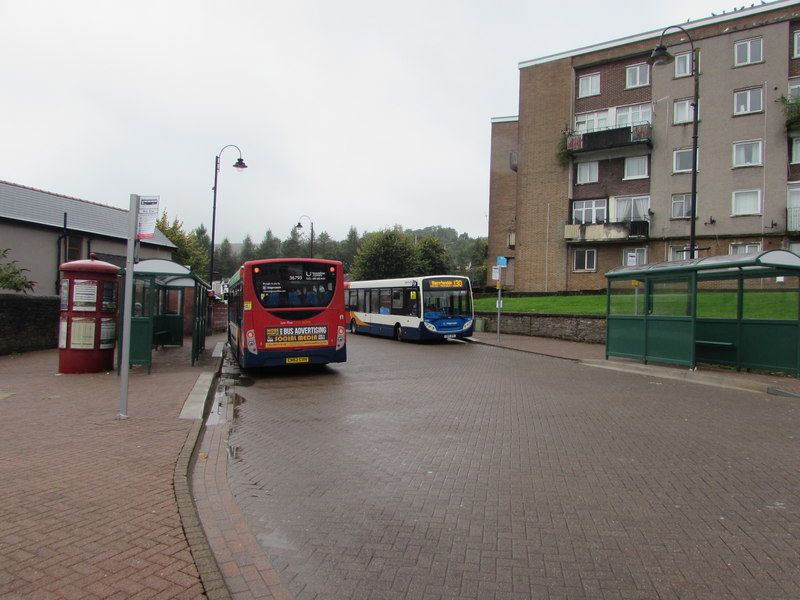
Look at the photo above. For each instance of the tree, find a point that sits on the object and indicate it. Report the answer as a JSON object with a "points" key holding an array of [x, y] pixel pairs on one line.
{"points": [[188, 250], [326, 247], [291, 246], [432, 256], [270, 246], [204, 242], [226, 261], [13, 277], [248, 250], [348, 248], [384, 255]]}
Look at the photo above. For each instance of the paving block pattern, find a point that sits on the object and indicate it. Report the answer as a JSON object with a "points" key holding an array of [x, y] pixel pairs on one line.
{"points": [[467, 471], [87, 507]]}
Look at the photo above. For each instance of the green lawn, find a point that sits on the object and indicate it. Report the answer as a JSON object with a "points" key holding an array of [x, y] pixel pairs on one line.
{"points": [[758, 304]]}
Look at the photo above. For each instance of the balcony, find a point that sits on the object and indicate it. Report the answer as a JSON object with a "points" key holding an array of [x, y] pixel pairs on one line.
{"points": [[791, 107], [607, 232], [793, 219], [604, 139]]}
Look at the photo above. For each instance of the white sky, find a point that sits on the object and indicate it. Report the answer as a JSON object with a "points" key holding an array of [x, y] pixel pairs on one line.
{"points": [[362, 113]]}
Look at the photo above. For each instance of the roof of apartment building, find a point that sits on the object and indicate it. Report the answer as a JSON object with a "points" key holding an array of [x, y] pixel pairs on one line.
{"points": [[711, 20], [29, 205]]}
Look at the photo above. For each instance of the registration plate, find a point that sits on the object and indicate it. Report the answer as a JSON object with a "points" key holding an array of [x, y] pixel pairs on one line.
{"points": [[449, 335], [293, 360]]}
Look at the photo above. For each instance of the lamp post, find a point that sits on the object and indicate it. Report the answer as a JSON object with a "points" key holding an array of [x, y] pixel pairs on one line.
{"points": [[239, 166], [659, 56], [300, 226]]}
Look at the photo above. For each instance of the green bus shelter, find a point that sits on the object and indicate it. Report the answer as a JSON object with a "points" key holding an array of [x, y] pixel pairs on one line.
{"points": [[737, 310], [158, 319]]}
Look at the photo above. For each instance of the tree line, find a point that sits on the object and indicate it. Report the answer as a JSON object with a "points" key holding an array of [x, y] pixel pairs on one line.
{"points": [[394, 252]]}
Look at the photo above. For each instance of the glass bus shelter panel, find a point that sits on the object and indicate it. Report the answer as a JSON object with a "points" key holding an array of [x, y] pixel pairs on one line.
{"points": [[670, 326], [771, 298], [627, 297], [168, 320], [718, 299]]}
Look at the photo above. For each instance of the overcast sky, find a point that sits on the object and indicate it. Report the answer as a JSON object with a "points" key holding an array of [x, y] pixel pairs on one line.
{"points": [[361, 113]]}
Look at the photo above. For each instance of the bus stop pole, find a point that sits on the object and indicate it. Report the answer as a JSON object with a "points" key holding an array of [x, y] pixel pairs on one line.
{"points": [[499, 299], [133, 218]]}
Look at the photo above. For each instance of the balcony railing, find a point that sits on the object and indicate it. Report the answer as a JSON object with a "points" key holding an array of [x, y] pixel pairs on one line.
{"points": [[793, 218], [607, 231], [791, 107], [603, 139]]}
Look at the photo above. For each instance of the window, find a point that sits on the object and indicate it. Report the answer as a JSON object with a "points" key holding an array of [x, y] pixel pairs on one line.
{"points": [[793, 207], [635, 167], [633, 208], [683, 111], [587, 172], [739, 249], [74, 247], [683, 64], [678, 252], [682, 160], [634, 115], [586, 212], [746, 202], [637, 75], [681, 206], [747, 154], [589, 85], [796, 44], [632, 257], [747, 101], [591, 121], [796, 150], [747, 52], [794, 88], [584, 259]]}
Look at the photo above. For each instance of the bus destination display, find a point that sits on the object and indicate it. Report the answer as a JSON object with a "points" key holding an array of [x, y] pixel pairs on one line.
{"points": [[292, 337], [444, 284]]}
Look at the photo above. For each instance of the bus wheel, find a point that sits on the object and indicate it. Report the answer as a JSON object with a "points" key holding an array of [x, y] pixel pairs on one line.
{"points": [[352, 325], [398, 333]]}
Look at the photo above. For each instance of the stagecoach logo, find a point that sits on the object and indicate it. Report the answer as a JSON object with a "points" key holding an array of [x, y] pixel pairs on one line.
{"points": [[286, 337]]}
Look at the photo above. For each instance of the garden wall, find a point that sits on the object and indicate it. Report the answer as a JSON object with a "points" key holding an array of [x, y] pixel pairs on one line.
{"points": [[575, 328], [28, 322]]}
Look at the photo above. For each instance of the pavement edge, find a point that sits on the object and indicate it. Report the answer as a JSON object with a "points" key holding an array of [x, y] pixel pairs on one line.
{"points": [[207, 567]]}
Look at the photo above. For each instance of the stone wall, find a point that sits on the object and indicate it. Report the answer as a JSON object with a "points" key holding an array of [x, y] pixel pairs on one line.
{"points": [[28, 322], [575, 328]]}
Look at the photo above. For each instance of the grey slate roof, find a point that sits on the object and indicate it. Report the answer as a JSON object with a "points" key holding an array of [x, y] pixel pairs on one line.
{"points": [[30, 205]]}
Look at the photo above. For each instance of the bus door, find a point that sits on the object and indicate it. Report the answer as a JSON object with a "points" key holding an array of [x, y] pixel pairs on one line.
{"points": [[411, 302]]}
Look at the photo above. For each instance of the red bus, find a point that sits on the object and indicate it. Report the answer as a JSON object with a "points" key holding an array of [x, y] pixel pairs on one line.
{"points": [[287, 311]]}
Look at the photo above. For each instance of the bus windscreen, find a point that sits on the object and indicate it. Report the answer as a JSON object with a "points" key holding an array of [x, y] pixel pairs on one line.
{"points": [[294, 284]]}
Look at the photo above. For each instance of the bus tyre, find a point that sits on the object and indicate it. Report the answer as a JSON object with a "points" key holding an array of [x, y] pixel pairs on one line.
{"points": [[352, 325], [398, 333]]}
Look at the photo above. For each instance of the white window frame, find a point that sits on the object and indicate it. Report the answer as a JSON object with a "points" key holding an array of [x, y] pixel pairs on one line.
{"points": [[591, 172], [628, 160], [618, 200], [796, 44], [586, 253], [686, 203], [639, 251], [749, 109], [680, 252], [793, 91], [638, 83], [749, 60], [596, 117], [795, 150], [754, 247], [645, 108], [679, 59], [593, 207], [689, 103], [760, 161], [733, 202], [675, 160], [592, 78]]}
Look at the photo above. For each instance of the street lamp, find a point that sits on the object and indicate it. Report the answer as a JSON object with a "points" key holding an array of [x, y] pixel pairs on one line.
{"points": [[300, 226], [239, 166], [661, 56]]}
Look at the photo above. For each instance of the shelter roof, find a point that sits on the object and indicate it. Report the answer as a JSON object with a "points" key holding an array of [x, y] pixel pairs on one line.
{"points": [[780, 260]]}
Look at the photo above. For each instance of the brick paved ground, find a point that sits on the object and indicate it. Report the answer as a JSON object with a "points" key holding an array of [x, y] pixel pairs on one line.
{"points": [[467, 471], [87, 508]]}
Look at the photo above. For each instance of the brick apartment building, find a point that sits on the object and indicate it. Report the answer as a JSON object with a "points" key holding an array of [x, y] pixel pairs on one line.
{"points": [[595, 171]]}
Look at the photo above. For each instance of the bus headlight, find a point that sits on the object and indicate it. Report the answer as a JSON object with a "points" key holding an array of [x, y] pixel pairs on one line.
{"points": [[430, 326], [468, 324]]}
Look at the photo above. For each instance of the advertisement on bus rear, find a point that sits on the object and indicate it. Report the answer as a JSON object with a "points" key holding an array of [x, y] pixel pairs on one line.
{"points": [[297, 337]]}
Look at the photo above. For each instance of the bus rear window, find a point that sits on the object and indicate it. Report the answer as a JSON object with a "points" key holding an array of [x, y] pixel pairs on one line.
{"points": [[294, 284]]}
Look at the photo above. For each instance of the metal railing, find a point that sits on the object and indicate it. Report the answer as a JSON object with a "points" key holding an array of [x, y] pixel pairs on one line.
{"points": [[600, 139], [793, 218]]}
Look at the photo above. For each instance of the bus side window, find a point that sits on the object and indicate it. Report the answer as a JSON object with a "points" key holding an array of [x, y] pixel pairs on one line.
{"points": [[361, 304], [374, 301], [411, 298], [397, 302]]}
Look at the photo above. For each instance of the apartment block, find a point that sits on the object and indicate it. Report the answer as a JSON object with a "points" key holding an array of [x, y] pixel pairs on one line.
{"points": [[595, 171]]}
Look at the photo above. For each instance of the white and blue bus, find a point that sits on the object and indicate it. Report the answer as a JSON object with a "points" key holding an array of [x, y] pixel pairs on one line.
{"points": [[435, 307]]}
